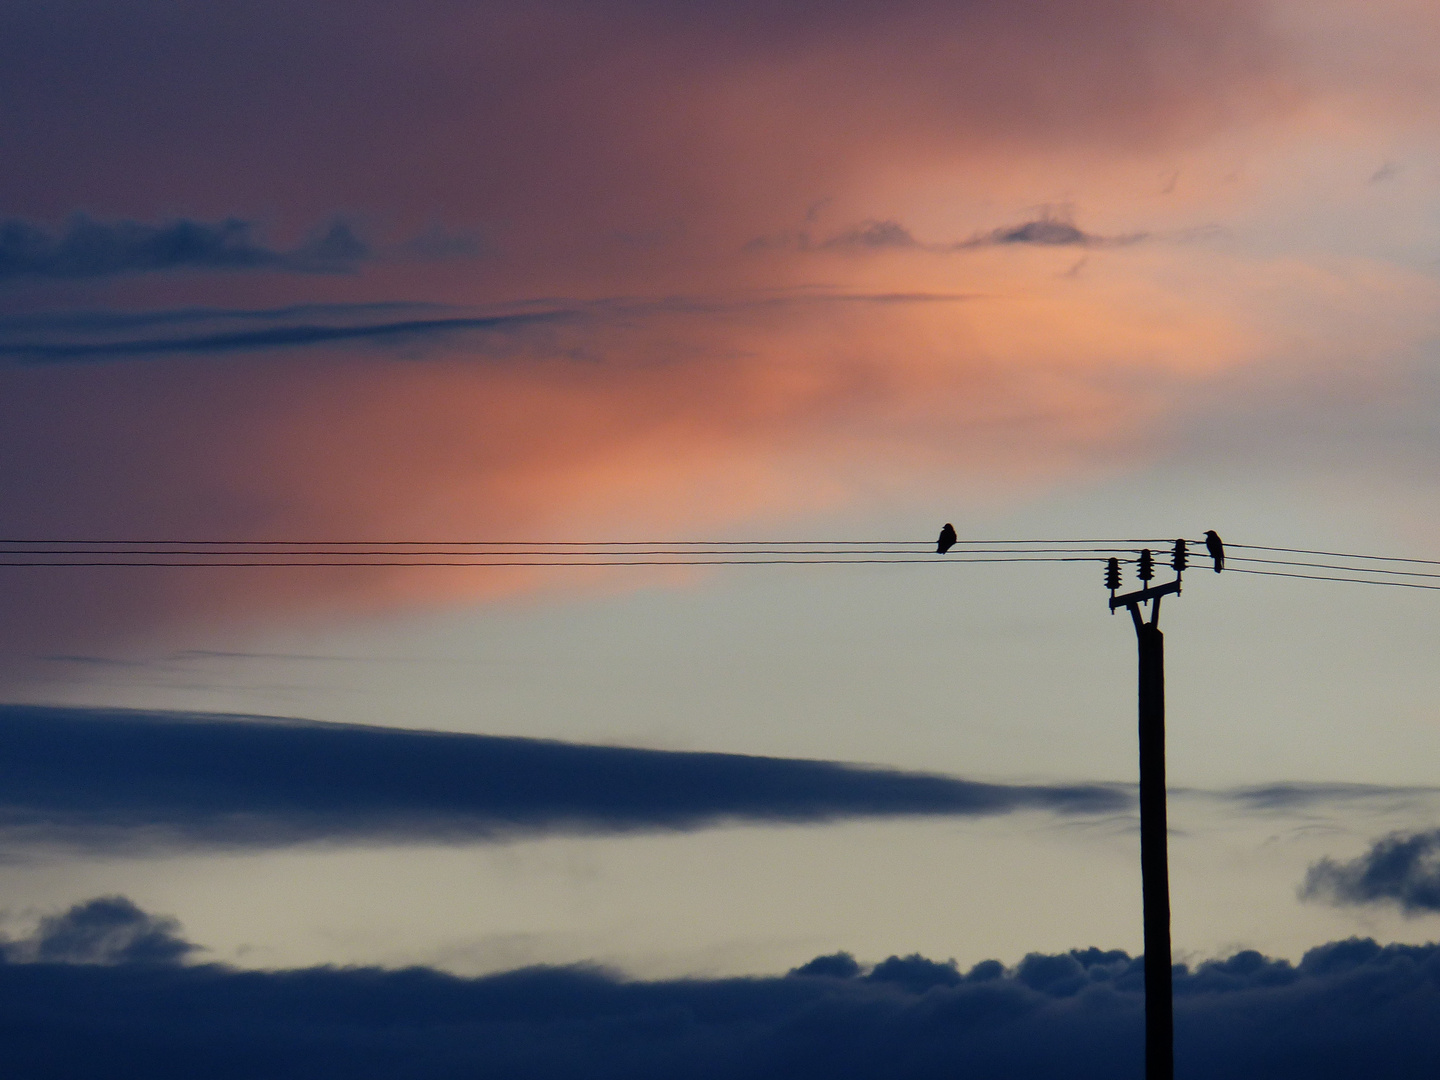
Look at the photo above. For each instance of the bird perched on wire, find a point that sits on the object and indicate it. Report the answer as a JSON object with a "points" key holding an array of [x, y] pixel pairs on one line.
{"points": [[1216, 548], [947, 539]]}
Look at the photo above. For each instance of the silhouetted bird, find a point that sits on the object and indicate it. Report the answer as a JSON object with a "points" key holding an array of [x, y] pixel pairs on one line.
{"points": [[1216, 549], [947, 539]]}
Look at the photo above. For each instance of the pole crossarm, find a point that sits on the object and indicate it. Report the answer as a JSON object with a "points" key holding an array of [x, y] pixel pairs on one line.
{"points": [[1140, 596]]}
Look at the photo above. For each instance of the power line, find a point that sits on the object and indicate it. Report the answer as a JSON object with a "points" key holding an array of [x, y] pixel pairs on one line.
{"points": [[1318, 577], [1330, 566], [918, 561], [1109, 542], [461, 554], [1334, 554], [239, 550]]}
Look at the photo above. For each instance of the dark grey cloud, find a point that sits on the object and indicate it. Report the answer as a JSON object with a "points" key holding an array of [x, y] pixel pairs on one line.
{"points": [[1388, 171], [82, 322], [1050, 232], [79, 660], [1050, 229], [1348, 1009], [106, 930], [1300, 796], [92, 336], [133, 781], [1401, 869], [873, 236], [287, 335], [437, 243], [87, 248]]}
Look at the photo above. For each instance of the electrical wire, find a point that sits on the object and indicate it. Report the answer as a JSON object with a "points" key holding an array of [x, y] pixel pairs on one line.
{"points": [[238, 550], [571, 562], [1117, 544], [1318, 577], [1333, 554], [460, 554], [1331, 566]]}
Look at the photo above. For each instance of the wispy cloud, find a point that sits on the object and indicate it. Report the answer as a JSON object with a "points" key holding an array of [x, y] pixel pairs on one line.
{"points": [[1046, 231], [115, 780], [78, 660], [1388, 171], [1301, 796], [81, 336], [1049, 229], [293, 335], [110, 322]]}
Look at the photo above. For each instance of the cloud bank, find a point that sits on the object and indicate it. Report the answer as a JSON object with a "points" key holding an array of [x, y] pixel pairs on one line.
{"points": [[122, 781], [1349, 1008]]}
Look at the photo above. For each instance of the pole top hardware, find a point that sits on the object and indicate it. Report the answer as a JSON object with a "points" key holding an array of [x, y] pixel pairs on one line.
{"points": [[1147, 593], [1144, 594], [1112, 579]]}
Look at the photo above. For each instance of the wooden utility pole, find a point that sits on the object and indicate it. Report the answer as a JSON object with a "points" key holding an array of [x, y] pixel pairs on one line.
{"points": [[1154, 847], [1154, 855]]}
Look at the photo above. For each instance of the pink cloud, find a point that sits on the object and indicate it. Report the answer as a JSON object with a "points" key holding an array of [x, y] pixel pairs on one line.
{"points": [[626, 149]]}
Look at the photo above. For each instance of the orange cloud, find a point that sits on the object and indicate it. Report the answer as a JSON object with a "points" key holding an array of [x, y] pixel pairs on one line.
{"points": [[634, 149], [675, 423]]}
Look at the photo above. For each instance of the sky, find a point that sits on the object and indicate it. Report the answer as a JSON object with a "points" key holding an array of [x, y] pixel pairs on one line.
{"points": [[663, 271]]}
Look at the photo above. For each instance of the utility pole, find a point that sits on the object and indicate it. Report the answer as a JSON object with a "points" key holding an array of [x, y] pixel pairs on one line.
{"points": [[1154, 847]]}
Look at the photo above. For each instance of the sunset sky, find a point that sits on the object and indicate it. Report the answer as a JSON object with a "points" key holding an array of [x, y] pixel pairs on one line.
{"points": [[661, 270]]}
